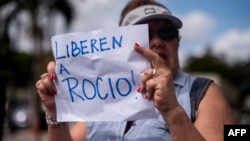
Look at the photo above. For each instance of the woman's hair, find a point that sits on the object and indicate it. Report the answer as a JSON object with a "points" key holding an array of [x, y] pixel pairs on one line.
{"points": [[134, 4]]}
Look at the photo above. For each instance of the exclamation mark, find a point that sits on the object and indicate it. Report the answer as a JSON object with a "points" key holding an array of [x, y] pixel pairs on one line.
{"points": [[133, 79]]}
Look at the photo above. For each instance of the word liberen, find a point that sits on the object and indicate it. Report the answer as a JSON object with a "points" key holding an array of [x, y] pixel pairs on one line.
{"points": [[90, 46]]}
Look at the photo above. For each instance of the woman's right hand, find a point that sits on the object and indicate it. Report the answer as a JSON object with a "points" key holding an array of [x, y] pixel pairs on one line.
{"points": [[46, 88]]}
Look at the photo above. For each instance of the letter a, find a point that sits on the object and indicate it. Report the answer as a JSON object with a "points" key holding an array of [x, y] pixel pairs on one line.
{"points": [[231, 132], [62, 68]]}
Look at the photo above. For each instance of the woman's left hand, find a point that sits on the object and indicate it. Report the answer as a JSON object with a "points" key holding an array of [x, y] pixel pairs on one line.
{"points": [[157, 82]]}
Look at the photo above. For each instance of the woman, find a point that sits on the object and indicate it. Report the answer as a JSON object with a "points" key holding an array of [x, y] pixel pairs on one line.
{"points": [[164, 83]]}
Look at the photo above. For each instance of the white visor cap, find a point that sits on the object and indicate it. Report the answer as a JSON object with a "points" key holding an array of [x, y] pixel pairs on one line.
{"points": [[150, 12]]}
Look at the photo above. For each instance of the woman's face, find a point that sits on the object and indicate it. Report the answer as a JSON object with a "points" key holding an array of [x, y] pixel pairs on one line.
{"points": [[164, 41]]}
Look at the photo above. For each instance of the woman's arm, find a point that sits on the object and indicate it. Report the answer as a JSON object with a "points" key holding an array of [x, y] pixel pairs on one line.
{"points": [[213, 113], [46, 91]]}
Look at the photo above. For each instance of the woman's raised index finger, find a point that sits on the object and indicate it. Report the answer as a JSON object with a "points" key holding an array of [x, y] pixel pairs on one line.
{"points": [[156, 61]]}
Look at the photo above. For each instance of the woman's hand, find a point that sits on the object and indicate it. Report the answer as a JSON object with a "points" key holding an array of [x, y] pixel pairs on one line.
{"points": [[157, 82], [46, 88]]}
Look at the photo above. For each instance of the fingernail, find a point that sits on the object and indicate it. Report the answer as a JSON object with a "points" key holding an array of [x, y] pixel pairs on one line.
{"points": [[139, 90], [51, 76], [137, 45]]}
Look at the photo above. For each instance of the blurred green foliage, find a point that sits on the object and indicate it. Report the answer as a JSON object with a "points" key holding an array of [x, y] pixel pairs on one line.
{"points": [[19, 68], [235, 73]]}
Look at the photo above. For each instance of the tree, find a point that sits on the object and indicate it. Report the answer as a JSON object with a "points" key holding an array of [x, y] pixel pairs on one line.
{"points": [[235, 73], [4, 53], [34, 9]]}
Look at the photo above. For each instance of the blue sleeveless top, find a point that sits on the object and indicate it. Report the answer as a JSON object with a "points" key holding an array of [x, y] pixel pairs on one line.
{"points": [[143, 130]]}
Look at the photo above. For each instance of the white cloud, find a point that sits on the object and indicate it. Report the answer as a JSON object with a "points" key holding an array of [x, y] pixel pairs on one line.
{"points": [[234, 44], [196, 25], [89, 15], [92, 14]]}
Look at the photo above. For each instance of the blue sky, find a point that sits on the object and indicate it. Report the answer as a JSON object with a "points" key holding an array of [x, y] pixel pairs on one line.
{"points": [[230, 13], [225, 24], [228, 18]]}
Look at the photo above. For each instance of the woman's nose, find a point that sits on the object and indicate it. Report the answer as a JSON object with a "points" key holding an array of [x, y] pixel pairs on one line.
{"points": [[156, 43]]}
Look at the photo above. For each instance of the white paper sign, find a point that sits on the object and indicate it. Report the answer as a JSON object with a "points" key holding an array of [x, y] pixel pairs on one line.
{"points": [[98, 74]]}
